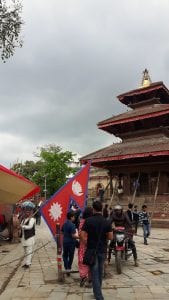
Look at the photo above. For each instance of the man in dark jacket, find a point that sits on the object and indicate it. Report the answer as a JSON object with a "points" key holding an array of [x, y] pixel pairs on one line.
{"points": [[119, 218], [136, 218], [98, 231], [130, 212], [133, 216]]}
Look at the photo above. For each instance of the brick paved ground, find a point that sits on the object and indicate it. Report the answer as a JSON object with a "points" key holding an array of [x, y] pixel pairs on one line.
{"points": [[148, 281]]}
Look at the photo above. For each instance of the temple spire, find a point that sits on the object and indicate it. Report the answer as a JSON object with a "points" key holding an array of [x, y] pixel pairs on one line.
{"points": [[146, 80]]}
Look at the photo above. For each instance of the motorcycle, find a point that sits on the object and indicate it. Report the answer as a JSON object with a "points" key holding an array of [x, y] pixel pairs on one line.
{"points": [[120, 248]]}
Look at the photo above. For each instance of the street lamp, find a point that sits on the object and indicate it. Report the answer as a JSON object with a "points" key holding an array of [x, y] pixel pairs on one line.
{"points": [[45, 190]]}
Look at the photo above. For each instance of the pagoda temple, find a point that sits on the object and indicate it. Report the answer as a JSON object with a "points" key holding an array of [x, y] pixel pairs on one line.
{"points": [[140, 161]]}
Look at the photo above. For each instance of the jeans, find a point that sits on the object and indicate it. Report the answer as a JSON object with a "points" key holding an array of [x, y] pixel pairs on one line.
{"points": [[68, 255], [97, 274], [146, 230], [38, 220], [132, 245]]}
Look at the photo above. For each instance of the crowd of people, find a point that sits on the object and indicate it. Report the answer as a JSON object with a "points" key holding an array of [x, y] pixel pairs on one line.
{"points": [[91, 231], [94, 233]]}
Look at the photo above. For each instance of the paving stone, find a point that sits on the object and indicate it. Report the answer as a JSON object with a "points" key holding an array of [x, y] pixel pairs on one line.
{"points": [[40, 281], [74, 297], [58, 295]]}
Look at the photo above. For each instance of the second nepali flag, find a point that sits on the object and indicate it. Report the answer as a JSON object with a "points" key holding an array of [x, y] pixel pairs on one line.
{"points": [[55, 209]]}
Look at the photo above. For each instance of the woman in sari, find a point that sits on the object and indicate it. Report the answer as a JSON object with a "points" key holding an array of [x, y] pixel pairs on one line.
{"points": [[83, 269]]}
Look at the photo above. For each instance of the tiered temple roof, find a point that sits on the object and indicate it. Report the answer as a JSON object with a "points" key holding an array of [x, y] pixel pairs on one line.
{"points": [[143, 129]]}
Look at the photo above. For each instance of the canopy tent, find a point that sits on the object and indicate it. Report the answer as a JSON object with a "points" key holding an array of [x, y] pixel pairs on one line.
{"points": [[14, 187]]}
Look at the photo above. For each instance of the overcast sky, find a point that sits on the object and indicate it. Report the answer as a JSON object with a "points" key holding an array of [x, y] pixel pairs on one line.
{"points": [[78, 55]]}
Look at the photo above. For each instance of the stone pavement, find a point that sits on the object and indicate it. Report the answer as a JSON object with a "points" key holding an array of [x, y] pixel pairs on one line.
{"points": [[148, 281]]}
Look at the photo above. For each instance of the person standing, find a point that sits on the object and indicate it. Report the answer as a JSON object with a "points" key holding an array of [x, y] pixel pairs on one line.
{"points": [[37, 215], [144, 220], [98, 231], [101, 192], [133, 216], [83, 269], [69, 241], [28, 235], [136, 218], [130, 212], [2, 222], [105, 211], [16, 228]]}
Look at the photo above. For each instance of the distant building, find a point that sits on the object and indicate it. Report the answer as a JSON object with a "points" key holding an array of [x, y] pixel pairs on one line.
{"points": [[75, 163]]}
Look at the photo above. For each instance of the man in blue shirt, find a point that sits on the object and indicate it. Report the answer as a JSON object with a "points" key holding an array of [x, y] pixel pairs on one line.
{"points": [[69, 237]]}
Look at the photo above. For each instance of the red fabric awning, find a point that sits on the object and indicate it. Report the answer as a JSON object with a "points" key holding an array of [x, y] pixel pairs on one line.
{"points": [[14, 187]]}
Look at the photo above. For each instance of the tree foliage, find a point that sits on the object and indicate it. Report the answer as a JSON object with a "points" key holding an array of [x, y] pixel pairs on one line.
{"points": [[52, 166], [10, 28]]}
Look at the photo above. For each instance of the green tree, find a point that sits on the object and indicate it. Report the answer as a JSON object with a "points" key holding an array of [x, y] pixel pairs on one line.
{"points": [[55, 167], [50, 171], [27, 169], [10, 28]]}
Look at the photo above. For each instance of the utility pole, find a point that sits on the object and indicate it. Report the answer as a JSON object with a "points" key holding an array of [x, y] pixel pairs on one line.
{"points": [[45, 190]]}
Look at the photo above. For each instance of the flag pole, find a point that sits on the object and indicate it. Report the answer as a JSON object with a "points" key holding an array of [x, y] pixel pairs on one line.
{"points": [[59, 253]]}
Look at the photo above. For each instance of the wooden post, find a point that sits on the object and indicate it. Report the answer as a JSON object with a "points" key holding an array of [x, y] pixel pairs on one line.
{"points": [[113, 195], [155, 195], [59, 253], [135, 190], [111, 184]]}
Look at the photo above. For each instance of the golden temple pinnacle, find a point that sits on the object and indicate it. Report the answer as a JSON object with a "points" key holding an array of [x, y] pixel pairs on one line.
{"points": [[146, 80]]}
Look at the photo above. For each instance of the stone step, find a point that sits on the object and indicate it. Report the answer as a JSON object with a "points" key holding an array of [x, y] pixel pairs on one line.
{"points": [[160, 223]]}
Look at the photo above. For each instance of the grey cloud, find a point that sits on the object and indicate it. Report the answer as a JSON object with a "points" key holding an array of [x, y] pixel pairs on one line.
{"points": [[76, 58]]}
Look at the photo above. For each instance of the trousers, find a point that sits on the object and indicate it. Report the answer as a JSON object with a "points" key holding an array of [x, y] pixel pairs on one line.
{"points": [[68, 255], [97, 275], [28, 254]]}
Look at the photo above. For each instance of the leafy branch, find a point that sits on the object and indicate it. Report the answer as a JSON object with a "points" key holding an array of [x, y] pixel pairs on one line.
{"points": [[10, 28]]}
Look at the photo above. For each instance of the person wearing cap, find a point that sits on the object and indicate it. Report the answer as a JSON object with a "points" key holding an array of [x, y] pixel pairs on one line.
{"points": [[119, 218], [28, 235]]}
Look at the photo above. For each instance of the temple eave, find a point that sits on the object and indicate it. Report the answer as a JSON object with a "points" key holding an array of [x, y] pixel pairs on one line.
{"points": [[131, 119], [126, 156], [154, 86]]}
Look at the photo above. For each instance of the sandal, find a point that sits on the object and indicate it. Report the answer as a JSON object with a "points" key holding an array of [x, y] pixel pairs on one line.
{"points": [[82, 281]]}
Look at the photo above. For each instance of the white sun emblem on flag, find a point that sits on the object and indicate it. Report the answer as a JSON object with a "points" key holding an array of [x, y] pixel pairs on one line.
{"points": [[77, 188], [55, 211]]}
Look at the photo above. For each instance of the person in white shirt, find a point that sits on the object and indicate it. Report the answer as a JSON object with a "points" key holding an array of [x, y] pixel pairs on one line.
{"points": [[28, 236]]}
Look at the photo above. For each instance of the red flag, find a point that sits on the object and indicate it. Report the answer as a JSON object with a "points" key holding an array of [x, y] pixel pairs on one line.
{"points": [[78, 186], [55, 209]]}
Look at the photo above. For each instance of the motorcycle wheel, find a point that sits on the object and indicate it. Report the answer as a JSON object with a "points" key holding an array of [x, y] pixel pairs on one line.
{"points": [[118, 262]]}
